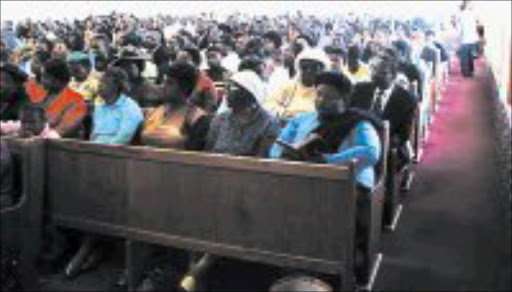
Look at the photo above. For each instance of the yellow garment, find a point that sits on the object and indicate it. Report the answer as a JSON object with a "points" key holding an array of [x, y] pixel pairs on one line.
{"points": [[292, 99], [88, 88], [158, 126], [362, 74]]}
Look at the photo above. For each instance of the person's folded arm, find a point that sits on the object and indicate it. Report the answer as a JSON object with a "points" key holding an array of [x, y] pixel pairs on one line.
{"points": [[273, 103], [72, 118], [130, 122], [366, 149], [287, 135], [213, 132]]}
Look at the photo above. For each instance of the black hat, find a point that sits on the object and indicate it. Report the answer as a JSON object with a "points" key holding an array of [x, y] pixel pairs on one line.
{"points": [[17, 74], [337, 80], [58, 69], [130, 54]]}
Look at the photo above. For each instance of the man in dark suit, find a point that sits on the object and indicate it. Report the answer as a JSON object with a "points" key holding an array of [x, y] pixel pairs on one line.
{"points": [[389, 101]]}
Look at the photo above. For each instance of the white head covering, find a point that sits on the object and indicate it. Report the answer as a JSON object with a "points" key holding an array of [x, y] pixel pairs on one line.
{"points": [[251, 82], [231, 62], [315, 54], [171, 30]]}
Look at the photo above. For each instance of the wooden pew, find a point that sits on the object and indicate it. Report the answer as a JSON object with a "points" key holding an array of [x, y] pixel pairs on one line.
{"points": [[288, 214], [11, 220], [374, 251], [21, 223]]}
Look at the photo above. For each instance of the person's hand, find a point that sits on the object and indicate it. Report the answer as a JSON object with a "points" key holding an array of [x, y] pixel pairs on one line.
{"points": [[9, 127], [50, 134], [317, 157], [293, 155], [313, 137]]}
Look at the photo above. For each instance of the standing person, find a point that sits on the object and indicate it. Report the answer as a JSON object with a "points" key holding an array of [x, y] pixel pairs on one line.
{"points": [[468, 38]]}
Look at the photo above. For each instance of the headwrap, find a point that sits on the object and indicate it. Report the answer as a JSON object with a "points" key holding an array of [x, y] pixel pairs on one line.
{"points": [[251, 82], [315, 54]]}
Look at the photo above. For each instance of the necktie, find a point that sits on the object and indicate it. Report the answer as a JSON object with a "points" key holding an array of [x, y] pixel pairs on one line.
{"points": [[377, 106]]}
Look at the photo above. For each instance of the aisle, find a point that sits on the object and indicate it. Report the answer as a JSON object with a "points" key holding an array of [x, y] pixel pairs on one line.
{"points": [[452, 234]]}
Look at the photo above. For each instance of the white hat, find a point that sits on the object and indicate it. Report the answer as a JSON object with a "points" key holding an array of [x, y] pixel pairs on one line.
{"points": [[251, 82], [315, 54], [231, 62], [171, 30]]}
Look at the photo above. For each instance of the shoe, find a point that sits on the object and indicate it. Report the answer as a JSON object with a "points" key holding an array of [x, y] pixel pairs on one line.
{"points": [[73, 268], [161, 278], [405, 185], [121, 282], [361, 268], [151, 281], [93, 259]]}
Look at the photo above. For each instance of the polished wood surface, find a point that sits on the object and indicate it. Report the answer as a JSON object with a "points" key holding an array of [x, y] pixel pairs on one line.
{"points": [[288, 214]]}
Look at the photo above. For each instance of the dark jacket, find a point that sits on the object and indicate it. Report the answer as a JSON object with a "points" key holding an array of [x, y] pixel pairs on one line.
{"points": [[399, 110], [11, 106]]}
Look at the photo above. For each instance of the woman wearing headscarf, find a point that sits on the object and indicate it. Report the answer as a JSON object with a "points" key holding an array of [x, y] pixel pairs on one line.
{"points": [[338, 134], [299, 95], [246, 128]]}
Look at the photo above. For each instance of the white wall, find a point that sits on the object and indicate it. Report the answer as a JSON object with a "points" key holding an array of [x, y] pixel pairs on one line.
{"points": [[16, 10]]}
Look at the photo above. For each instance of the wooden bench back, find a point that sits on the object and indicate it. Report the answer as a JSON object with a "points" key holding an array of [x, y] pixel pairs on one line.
{"points": [[289, 214], [21, 224]]}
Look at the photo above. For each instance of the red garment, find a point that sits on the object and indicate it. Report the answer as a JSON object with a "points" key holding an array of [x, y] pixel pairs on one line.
{"points": [[34, 90], [65, 113], [205, 83]]}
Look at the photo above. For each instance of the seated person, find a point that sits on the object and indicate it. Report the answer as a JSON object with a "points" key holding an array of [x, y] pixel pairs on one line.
{"points": [[32, 122], [215, 70], [33, 87], [246, 129], [356, 70], [180, 122], [12, 94], [115, 121], [6, 175], [65, 109], [83, 80], [337, 57], [388, 101], [298, 96], [142, 91], [348, 133], [204, 91]]}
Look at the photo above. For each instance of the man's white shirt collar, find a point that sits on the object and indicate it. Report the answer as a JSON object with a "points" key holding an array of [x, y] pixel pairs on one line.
{"points": [[385, 96]]}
